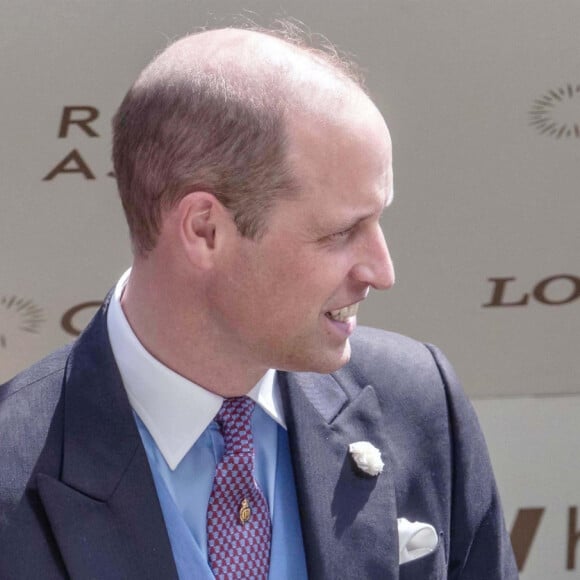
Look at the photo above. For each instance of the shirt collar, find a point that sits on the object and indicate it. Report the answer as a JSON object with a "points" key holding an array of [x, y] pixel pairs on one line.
{"points": [[175, 410]]}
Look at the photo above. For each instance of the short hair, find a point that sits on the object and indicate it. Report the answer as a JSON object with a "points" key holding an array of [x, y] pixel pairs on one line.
{"points": [[192, 125]]}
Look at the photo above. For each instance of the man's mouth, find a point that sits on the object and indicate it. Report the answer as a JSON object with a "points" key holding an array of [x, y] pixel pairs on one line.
{"points": [[343, 314]]}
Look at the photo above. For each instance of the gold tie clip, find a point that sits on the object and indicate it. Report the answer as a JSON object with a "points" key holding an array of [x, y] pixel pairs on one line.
{"points": [[245, 512]]}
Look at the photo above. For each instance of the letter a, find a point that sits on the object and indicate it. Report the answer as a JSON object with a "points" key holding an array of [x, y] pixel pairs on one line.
{"points": [[72, 163]]}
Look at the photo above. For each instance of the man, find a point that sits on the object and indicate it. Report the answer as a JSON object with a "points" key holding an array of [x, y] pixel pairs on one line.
{"points": [[253, 172]]}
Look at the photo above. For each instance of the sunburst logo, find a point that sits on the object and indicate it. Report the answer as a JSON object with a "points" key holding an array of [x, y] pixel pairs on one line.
{"points": [[18, 315], [557, 112]]}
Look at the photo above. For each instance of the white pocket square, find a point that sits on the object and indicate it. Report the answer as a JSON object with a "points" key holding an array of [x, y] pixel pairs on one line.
{"points": [[416, 539]]}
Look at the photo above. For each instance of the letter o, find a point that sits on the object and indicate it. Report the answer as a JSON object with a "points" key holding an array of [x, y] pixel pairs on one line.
{"points": [[540, 289]]}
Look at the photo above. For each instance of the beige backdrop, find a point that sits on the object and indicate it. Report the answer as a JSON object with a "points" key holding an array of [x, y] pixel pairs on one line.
{"points": [[483, 101]]}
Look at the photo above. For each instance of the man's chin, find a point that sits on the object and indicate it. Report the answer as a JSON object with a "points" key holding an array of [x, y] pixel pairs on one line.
{"points": [[341, 360]]}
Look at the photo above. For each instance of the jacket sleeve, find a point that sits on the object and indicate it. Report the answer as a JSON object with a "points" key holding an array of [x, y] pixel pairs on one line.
{"points": [[480, 546]]}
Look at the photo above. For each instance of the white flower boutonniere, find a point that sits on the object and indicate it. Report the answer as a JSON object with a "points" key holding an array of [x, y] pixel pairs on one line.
{"points": [[367, 457]]}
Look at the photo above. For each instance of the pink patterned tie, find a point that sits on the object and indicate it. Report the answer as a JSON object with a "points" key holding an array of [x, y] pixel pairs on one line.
{"points": [[238, 519]]}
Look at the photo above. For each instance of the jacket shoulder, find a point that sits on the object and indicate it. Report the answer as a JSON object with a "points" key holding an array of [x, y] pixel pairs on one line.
{"points": [[39, 380], [27, 405], [380, 357], [41, 373]]}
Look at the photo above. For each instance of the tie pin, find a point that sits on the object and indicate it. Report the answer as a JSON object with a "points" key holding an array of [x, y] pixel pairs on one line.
{"points": [[245, 512]]}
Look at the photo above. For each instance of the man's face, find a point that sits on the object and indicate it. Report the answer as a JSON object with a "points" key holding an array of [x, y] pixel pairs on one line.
{"points": [[289, 300]]}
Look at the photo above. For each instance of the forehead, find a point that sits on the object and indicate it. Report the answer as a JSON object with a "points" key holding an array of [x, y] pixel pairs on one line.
{"points": [[342, 157]]}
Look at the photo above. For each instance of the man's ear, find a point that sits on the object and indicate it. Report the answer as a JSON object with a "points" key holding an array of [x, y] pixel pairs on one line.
{"points": [[201, 219]]}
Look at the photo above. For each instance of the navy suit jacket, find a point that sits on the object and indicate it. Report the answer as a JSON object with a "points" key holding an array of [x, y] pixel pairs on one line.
{"points": [[77, 498]]}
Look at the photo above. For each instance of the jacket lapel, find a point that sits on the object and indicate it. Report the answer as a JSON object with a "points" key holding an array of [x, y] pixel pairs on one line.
{"points": [[348, 518], [103, 508]]}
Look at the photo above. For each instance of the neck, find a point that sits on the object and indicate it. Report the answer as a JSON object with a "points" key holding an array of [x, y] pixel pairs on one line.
{"points": [[166, 321]]}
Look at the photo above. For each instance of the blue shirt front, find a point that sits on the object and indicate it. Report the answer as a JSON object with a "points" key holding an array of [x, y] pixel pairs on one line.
{"points": [[184, 494]]}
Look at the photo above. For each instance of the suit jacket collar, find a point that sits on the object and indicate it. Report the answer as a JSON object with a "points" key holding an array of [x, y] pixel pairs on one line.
{"points": [[348, 519]]}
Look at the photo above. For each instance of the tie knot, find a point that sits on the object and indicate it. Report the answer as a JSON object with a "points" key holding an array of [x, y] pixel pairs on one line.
{"points": [[234, 423]]}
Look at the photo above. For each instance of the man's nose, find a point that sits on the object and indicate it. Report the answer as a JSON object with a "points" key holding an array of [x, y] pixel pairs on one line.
{"points": [[376, 266]]}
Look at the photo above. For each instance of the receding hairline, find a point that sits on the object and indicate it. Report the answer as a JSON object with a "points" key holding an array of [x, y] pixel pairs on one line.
{"points": [[270, 65]]}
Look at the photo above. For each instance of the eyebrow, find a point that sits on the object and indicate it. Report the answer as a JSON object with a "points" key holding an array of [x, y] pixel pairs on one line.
{"points": [[351, 222]]}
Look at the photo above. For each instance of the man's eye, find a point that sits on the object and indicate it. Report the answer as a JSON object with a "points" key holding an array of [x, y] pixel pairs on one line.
{"points": [[340, 235]]}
